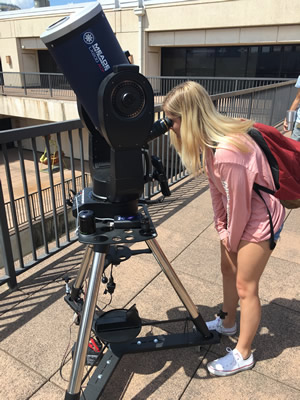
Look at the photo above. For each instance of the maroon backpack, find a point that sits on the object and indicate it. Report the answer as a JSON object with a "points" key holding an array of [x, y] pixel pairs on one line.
{"points": [[283, 155]]}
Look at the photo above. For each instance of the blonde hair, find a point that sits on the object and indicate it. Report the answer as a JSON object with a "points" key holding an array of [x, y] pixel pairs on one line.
{"points": [[202, 126]]}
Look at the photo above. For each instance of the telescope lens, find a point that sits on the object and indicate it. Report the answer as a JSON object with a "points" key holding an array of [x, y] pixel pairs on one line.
{"points": [[128, 99]]}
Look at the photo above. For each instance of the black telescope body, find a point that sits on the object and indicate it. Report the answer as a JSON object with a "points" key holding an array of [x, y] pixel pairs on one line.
{"points": [[115, 102], [85, 48]]}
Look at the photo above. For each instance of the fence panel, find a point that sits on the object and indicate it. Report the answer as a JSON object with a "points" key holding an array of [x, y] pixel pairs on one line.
{"points": [[214, 85], [56, 85], [40, 213]]}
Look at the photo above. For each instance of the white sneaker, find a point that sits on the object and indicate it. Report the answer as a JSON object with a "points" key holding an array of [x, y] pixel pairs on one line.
{"points": [[217, 325], [230, 364]]}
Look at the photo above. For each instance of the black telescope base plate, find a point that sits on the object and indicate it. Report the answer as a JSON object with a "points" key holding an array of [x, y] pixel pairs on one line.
{"points": [[115, 352], [104, 235], [138, 228]]}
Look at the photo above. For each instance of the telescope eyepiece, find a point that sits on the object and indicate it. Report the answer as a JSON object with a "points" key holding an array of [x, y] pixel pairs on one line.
{"points": [[168, 122], [159, 127]]}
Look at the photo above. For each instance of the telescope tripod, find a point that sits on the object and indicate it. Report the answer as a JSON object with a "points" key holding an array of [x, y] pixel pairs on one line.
{"points": [[118, 329]]}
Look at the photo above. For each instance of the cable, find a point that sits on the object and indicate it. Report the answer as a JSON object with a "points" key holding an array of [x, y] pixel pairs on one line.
{"points": [[106, 305], [105, 219], [77, 218], [67, 352]]}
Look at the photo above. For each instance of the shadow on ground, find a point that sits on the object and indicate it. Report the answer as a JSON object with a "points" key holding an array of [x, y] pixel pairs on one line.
{"points": [[276, 333]]}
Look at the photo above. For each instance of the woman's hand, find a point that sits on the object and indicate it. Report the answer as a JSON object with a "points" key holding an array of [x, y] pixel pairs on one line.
{"points": [[225, 244], [285, 125]]}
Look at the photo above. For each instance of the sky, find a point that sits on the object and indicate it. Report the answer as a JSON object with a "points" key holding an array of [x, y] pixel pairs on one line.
{"points": [[30, 3]]}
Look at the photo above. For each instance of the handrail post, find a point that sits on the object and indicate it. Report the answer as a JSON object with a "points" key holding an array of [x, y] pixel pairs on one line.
{"points": [[5, 245], [250, 106], [50, 86], [273, 102], [2, 81], [24, 81]]}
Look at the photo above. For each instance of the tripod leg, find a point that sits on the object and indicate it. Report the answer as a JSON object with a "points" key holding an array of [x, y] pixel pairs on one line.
{"points": [[73, 392], [85, 263], [178, 287]]}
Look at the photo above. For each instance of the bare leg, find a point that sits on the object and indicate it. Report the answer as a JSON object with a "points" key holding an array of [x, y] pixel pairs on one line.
{"points": [[230, 295], [251, 261]]}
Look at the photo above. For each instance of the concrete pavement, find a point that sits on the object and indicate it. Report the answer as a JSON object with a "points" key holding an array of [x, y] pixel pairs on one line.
{"points": [[36, 324]]}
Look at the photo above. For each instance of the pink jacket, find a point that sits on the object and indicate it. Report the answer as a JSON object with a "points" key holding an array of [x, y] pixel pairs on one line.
{"points": [[239, 213]]}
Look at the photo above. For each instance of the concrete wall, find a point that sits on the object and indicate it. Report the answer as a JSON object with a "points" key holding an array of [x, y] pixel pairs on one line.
{"points": [[26, 111], [49, 110], [203, 22], [13, 31], [221, 14]]}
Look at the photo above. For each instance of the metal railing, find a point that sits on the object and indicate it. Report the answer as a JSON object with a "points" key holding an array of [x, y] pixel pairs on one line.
{"points": [[265, 104], [35, 84], [34, 202], [46, 85], [26, 247], [20, 251], [214, 85]]}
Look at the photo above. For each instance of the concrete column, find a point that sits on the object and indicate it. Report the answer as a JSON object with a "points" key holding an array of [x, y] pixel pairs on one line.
{"points": [[140, 12]]}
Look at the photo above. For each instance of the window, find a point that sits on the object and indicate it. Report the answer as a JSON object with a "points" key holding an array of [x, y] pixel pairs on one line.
{"points": [[231, 61], [47, 63], [200, 61], [279, 61]]}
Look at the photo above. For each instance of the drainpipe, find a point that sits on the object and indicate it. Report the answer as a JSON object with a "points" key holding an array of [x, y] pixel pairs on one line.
{"points": [[140, 12]]}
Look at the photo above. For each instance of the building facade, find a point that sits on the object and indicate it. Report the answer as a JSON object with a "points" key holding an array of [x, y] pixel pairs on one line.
{"points": [[171, 38]]}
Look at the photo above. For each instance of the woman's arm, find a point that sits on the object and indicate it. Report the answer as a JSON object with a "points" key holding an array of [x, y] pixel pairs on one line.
{"points": [[238, 182], [294, 106], [219, 210]]}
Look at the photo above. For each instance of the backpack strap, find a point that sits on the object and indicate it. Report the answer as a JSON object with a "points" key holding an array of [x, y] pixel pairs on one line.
{"points": [[257, 189], [259, 139]]}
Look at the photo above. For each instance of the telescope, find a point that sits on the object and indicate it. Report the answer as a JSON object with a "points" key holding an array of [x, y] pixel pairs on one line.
{"points": [[116, 103]]}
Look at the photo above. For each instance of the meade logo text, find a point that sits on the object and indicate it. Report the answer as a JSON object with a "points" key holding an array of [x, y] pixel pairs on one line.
{"points": [[95, 50]]}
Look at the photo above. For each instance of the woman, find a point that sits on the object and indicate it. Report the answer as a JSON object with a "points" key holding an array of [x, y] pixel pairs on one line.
{"points": [[233, 162]]}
